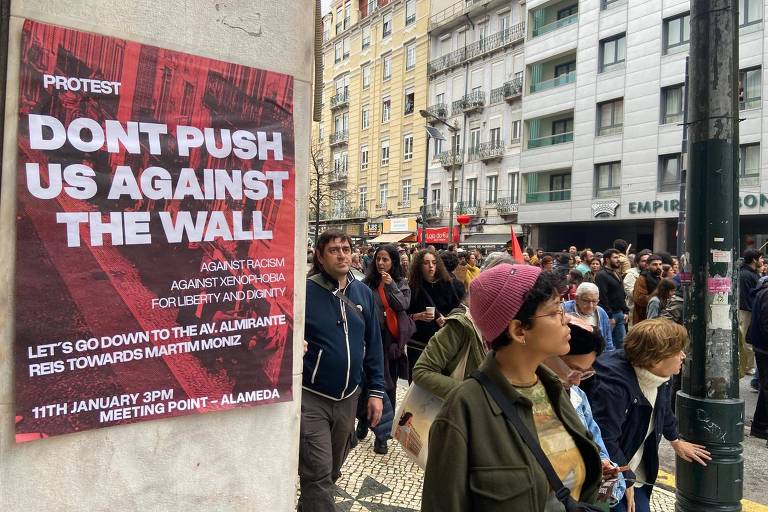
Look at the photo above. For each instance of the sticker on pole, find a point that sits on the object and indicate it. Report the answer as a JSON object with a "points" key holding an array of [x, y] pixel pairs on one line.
{"points": [[719, 285], [721, 256]]}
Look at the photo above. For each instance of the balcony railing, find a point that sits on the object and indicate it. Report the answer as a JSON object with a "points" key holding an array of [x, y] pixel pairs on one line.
{"points": [[469, 102], [342, 213], [507, 92], [565, 78], [434, 211], [339, 100], [449, 158], [611, 130], [487, 151], [477, 49], [439, 111], [506, 206], [456, 10], [338, 175], [547, 196], [749, 104], [549, 27], [468, 207], [550, 140], [338, 138]]}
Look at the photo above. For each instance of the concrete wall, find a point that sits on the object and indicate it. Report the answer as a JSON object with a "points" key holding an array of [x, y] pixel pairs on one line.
{"points": [[237, 460]]}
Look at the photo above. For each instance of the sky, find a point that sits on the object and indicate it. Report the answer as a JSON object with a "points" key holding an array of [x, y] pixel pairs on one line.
{"points": [[326, 5]]}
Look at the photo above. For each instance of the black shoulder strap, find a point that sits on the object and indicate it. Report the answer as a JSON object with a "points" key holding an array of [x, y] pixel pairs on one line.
{"points": [[513, 419], [321, 281]]}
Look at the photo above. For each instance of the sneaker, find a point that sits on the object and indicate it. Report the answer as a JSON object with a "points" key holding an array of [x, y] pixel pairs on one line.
{"points": [[361, 431], [380, 447]]}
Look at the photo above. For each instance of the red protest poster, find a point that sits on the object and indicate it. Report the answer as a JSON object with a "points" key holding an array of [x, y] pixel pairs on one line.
{"points": [[155, 234]]}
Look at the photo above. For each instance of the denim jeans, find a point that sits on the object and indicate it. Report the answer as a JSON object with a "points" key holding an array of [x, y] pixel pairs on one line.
{"points": [[642, 500], [619, 330]]}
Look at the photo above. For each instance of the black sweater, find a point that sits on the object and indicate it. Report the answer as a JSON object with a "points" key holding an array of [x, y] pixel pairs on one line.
{"points": [[611, 292], [444, 298]]}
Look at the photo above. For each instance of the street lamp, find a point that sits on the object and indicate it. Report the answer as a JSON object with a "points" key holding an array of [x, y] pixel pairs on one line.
{"points": [[453, 129]]}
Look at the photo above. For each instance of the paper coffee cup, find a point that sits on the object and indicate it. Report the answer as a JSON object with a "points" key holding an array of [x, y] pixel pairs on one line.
{"points": [[431, 310]]}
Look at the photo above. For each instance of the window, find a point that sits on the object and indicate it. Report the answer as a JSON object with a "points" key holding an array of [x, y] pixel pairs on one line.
{"points": [[438, 145], [749, 164], [365, 120], [607, 4], [338, 51], [363, 157], [440, 99], [750, 12], [382, 196], [347, 47], [560, 129], [321, 134], [341, 122], [454, 192], [565, 68], [385, 152], [410, 12], [410, 56], [339, 20], [408, 147], [386, 109], [610, 117], [372, 4], [363, 198], [560, 187], [347, 15], [366, 72], [676, 33], [435, 196], [607, 179], [366, 37], [504, 21], [749, 88], [386, 29], [669, 172], [456, 142], [516, 131], [406, 197], [409, 101], [472, 191], [612, 52], [386, 67], [512, 182], [491, 184], [474, 139], [672, 104], [326, 29], [568, 11]]}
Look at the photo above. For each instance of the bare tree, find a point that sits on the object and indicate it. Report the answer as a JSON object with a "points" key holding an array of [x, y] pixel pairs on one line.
{"points": [[319, 195]]}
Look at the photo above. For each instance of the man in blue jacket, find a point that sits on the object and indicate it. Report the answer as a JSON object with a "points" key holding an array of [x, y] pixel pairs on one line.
{"points": [[343, 347]]}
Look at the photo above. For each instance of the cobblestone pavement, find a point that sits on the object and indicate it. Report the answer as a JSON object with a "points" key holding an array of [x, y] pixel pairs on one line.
{"points": [[392, 483]]}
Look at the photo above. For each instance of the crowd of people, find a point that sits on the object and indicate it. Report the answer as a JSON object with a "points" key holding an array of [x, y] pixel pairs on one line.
{"points": [[556, 371]]}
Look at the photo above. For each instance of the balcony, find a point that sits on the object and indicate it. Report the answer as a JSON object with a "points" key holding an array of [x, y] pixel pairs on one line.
{"points": [[508, 92], [550, 140], [468, 208], [342, 213], [434, 211], [338, 138], [487, 151], [453, 12], [548, 196], [551, 27], [340, 100], [565, 78], [506, 206], [439, 111], [450, 158], [338, 175], [472, 102], [477, 49]]}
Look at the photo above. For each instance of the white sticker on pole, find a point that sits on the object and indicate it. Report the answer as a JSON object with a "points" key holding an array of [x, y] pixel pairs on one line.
{"points": [[720, 317], [721, 256]]}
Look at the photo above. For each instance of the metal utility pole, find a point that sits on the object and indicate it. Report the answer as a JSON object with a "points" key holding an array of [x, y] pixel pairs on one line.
{"points": [[683, 171], [708, 407], [451, 129]]}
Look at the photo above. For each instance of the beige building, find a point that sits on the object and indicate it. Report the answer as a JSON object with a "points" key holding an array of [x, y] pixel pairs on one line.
{"points": [[371, 140]]}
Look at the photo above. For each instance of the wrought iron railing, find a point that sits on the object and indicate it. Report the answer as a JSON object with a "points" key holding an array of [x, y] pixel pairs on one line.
{"points": [[338, 138], [477, 49], [456, 10], [506, 205], [338, 175], [509, 91], [468, 207], [339, 100], [434, 211], [449, 158], [489, 150], [469, 102], [439, 111]]}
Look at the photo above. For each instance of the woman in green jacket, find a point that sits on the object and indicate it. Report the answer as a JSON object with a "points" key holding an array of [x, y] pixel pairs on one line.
{"points": [[476, 461]]}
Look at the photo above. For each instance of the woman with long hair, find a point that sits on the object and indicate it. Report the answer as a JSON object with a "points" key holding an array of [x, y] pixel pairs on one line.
{"points": [[660, 297], [392, 297], [434, 294], [477, 462]]}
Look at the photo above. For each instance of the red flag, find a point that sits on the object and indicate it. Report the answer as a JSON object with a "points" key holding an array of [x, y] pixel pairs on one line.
{"points": [[517, 253]]}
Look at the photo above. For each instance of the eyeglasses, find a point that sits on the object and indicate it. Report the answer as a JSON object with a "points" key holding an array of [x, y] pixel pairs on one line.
{"points": [[581, 374], [588, 301], [560, 311]]}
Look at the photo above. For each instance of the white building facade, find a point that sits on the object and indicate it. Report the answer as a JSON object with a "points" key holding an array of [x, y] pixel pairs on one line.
{"points": [[597, 152]]}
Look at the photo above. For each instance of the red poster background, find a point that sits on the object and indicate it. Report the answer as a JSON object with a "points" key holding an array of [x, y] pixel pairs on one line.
{"points": [[76, 293]]}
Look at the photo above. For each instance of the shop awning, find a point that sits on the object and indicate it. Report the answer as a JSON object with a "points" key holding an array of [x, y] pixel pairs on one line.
{"points": [[487, 239], [390, 238]]}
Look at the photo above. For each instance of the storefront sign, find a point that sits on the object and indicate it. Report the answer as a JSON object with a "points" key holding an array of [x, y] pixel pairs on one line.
{"points": [[155, 234], [440, 235], [374, 229], [749, 201], [398, 225]]}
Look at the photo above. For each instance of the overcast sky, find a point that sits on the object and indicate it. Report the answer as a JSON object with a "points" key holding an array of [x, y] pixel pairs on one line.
{"points": [[326, 5]]}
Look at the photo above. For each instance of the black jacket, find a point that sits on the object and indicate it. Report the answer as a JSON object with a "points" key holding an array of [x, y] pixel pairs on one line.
{"points": [[748, 279], [757, 335], [623, 413], [611, 292], [445, 296]]}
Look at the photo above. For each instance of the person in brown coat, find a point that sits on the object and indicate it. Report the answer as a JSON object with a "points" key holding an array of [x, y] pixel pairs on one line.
{"points": [[644, 287]]}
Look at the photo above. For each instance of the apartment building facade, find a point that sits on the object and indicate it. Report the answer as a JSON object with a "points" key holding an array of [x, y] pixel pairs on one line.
{"points": [[590, 148], [371, 140]]}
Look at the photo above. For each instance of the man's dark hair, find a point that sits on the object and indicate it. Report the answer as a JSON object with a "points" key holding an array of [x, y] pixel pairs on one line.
{"points": [[620, 244], [528, 250], [584, 254], [666, 258], [563, 258], [545, 287], [371, 250], [584, 342], [654, 257], [640, 255], [324, 239], [608, 253], [751, 255], [450, 259], [373, 276]]}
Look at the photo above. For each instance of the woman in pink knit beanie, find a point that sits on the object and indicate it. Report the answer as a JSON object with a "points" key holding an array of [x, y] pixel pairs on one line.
{"points": [[477, 462]]}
